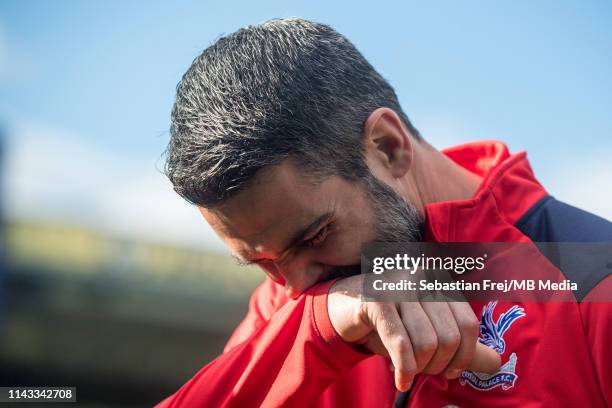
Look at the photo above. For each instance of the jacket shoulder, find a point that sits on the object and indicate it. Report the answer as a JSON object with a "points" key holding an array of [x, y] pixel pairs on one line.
{"points": [[551, 220], [575, 241]]}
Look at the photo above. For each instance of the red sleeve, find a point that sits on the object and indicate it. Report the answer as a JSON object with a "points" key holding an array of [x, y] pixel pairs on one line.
{"points": [[288, 360], [266, 299], [596, 312]]}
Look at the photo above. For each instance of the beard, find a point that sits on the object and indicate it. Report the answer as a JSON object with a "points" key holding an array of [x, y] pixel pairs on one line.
{"points": [[396, 220]]}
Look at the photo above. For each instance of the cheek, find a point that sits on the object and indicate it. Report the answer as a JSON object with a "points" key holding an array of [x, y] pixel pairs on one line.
{"points": [[345, 244], [340, 250]]}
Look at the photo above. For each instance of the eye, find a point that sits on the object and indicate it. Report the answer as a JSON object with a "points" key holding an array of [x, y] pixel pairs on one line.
{"points": [[317, 239]]}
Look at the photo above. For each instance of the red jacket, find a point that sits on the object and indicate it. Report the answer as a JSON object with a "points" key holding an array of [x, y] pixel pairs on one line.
{"points": [[286, 352]]}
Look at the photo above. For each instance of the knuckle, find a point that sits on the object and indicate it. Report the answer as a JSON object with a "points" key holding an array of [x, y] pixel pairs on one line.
{"points": [[426, 347], [449, 340], [470, 326], [401, 344]]}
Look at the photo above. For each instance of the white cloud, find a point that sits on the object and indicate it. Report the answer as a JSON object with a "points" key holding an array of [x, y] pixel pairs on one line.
{"points": [[50, 174]]}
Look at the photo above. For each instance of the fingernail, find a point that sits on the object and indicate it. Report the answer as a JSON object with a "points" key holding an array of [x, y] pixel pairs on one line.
{"points": [[405, 386]]}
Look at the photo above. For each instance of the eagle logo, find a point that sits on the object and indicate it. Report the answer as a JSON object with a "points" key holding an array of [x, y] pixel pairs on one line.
{"points": [[492, 335]]}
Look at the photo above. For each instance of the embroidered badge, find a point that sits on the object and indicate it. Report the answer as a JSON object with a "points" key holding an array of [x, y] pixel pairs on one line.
{"points": [[492, 335]]}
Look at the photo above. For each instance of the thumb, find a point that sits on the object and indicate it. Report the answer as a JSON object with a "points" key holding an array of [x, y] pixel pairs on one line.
{"points": [[486, 360]]}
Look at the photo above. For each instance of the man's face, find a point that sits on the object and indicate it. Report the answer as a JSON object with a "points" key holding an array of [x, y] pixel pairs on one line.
{"points": [[302, 234]]}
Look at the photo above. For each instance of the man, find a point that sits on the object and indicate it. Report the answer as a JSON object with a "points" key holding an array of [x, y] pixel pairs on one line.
{"points": [[297, 152]]}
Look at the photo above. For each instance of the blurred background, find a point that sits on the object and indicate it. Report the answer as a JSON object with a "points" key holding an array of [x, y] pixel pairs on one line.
{"points": [[111, 283]]}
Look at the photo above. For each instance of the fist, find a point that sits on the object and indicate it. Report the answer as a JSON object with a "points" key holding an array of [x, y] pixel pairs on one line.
{"points": [[418, 337]]}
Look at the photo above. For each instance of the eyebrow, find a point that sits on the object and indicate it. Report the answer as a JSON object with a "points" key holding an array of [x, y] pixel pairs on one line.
{"points": [[293, 241]]}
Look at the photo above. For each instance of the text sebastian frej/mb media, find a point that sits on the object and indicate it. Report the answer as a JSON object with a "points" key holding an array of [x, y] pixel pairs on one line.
{"points": [[458, 265]]}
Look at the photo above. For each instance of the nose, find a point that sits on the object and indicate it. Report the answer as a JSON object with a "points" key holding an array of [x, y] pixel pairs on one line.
{"points": [[299, 276]]}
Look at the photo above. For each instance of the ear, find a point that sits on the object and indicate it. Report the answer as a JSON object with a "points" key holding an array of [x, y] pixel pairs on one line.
{"points": [[388, 144]]}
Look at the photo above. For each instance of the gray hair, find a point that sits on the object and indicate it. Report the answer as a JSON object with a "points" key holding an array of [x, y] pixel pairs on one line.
{"points": [[288, 88]]}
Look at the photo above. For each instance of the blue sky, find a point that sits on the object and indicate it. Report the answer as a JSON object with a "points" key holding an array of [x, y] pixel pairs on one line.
{"points": [[86, 89]]}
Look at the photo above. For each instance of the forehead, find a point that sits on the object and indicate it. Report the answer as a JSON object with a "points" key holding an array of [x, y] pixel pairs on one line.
{"points": [[278, 202]]}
